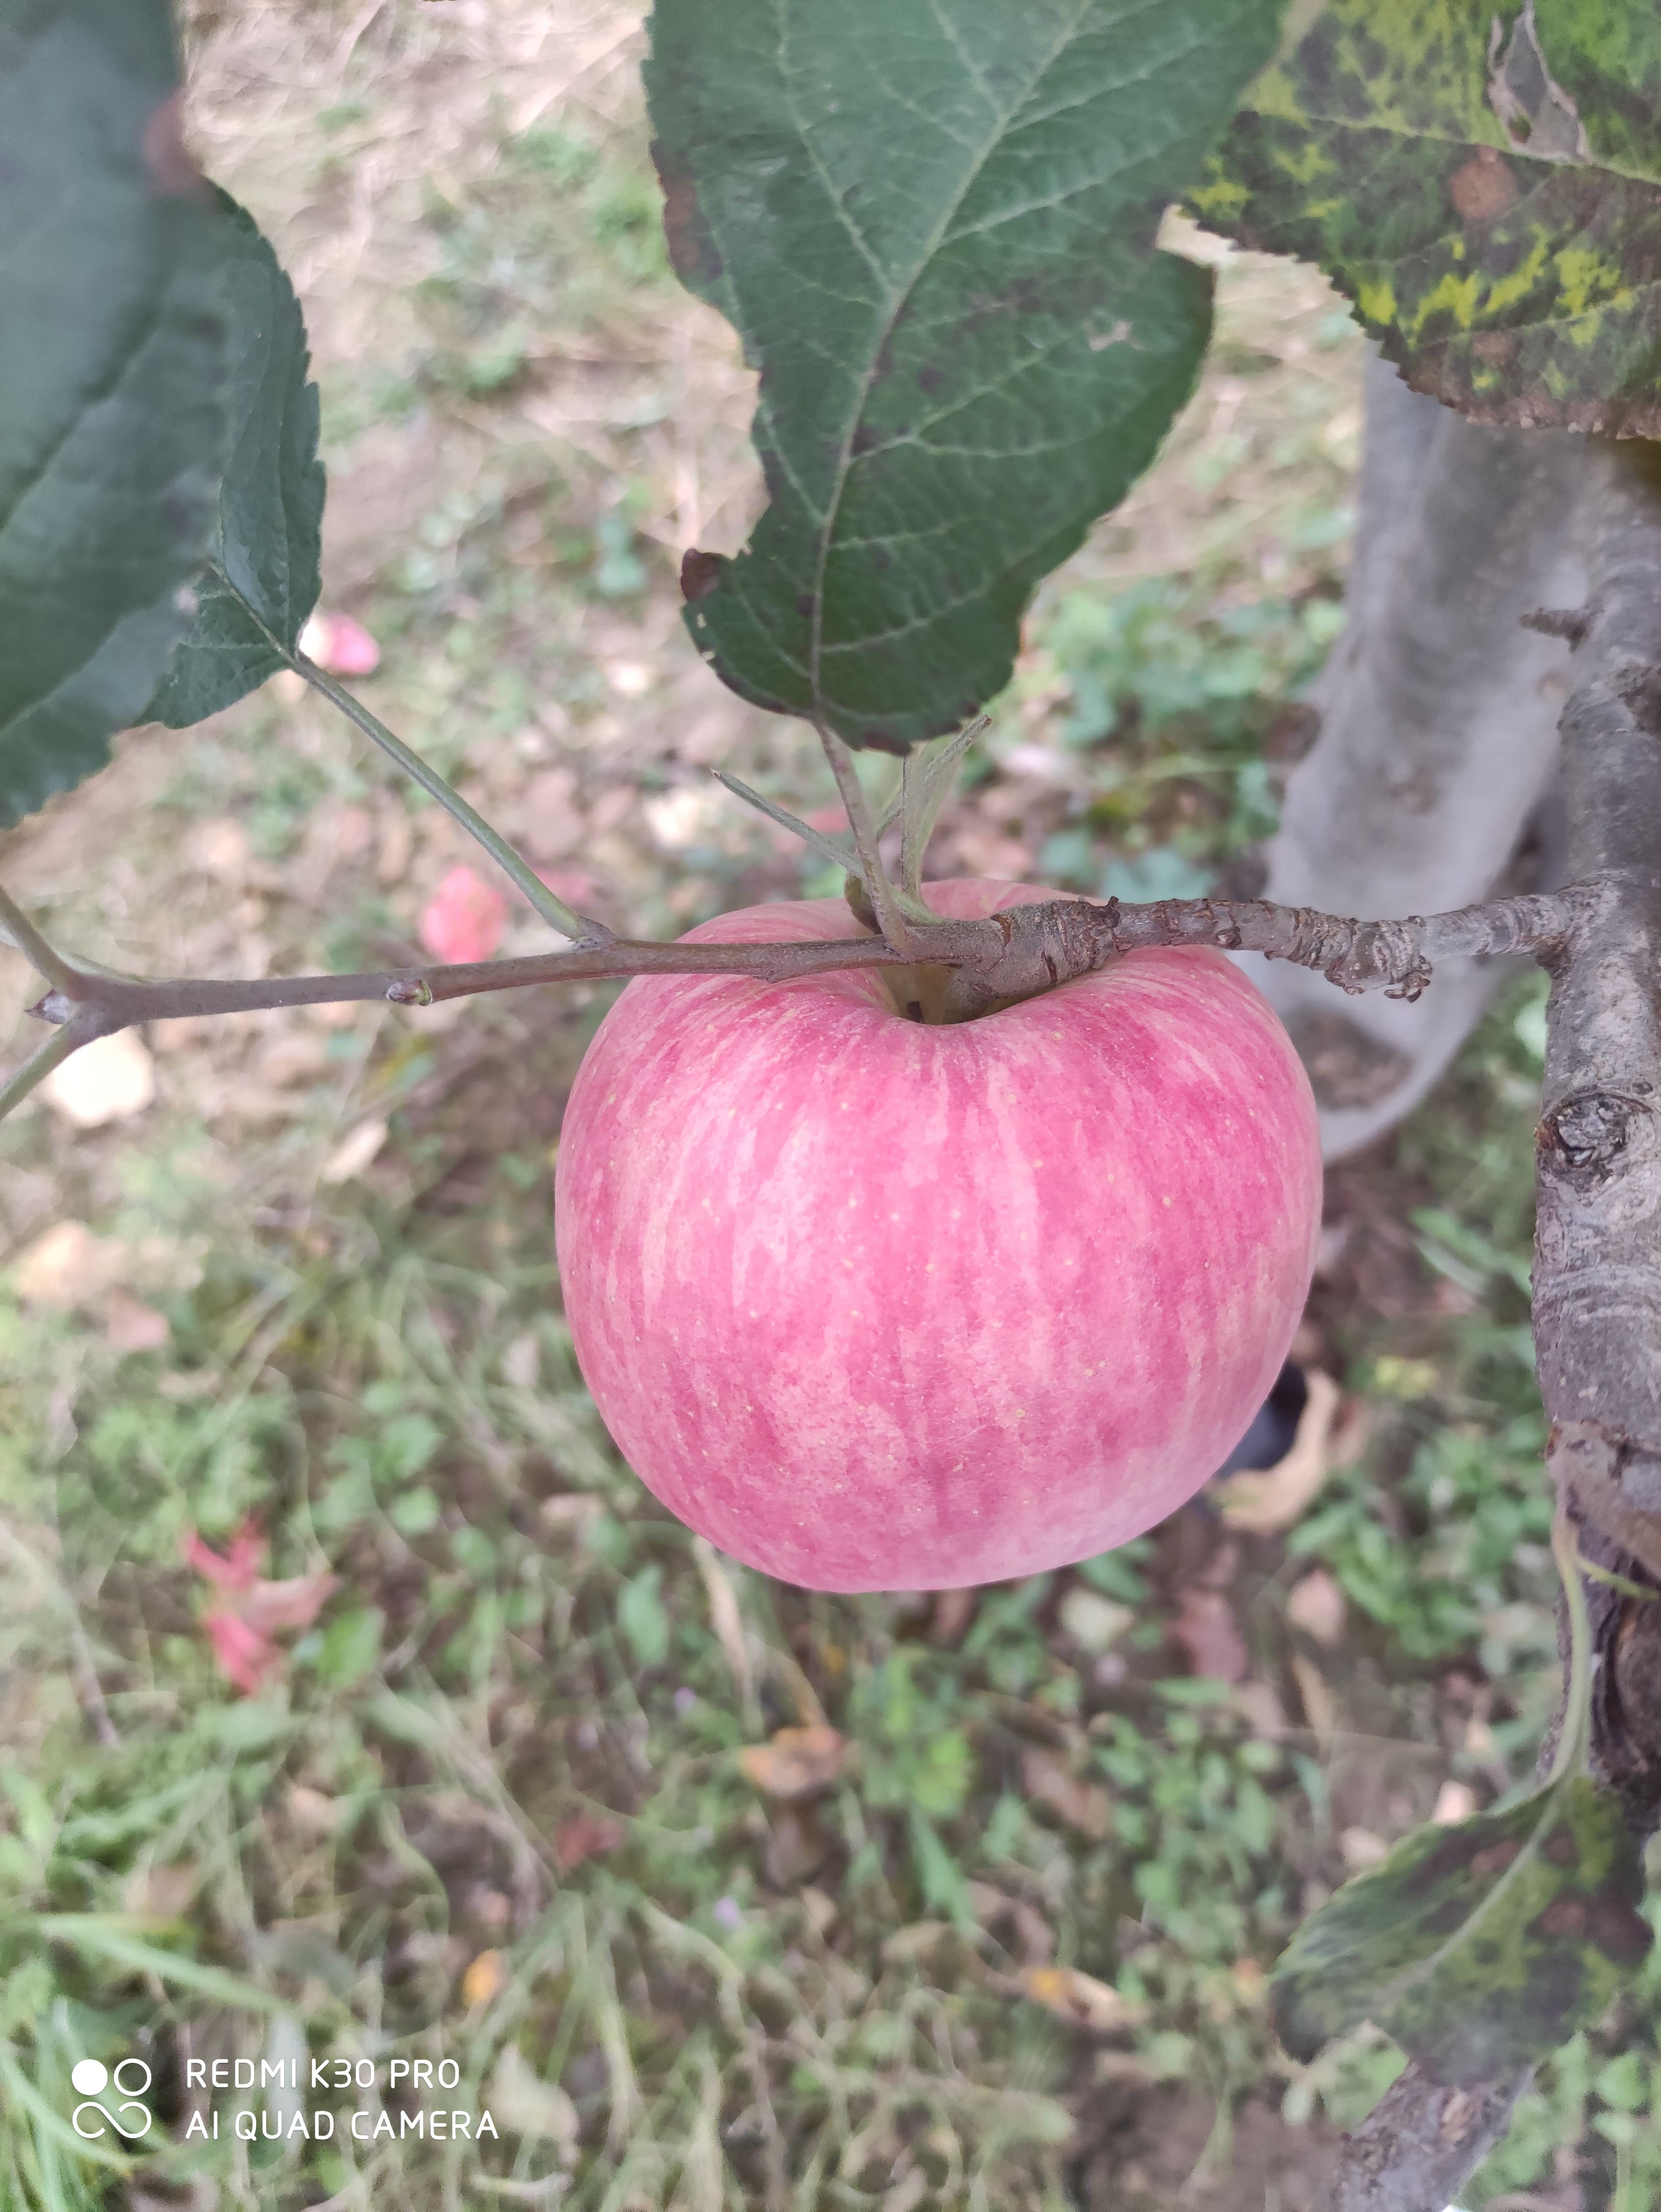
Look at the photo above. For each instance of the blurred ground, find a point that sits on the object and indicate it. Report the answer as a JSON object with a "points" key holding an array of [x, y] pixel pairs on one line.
{"points": [[513, 1795]]}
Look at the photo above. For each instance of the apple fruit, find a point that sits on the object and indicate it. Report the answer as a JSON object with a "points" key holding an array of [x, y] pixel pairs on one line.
{"points": [[875, 1303]]}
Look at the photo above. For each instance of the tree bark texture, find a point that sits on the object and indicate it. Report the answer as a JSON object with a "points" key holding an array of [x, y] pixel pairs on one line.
{"points": [[1438, 739], [1597, 1244]]}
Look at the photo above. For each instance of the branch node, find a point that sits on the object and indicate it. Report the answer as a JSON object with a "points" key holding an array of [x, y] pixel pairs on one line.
{"points": [[1569, 623]]}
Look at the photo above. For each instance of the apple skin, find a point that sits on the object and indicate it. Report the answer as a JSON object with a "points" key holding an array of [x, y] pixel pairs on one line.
{"points": [[875, 1304]]}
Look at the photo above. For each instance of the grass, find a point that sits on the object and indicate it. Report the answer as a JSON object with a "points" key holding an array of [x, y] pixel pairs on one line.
{"points": [[493, 1812]]}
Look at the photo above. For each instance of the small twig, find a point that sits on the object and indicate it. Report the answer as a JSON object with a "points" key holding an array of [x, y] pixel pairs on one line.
{"points": [[895, 925], [553, 910], [821, 844], [39, 1066], [29, 942]]}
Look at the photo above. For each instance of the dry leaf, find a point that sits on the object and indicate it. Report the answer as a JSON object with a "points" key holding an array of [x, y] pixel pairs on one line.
{"points": [[130, 1325], [585, 1836], [354, 1153], [796, 1846], [242, 1620], [67, 1266], [821, 1911], [727, 1619], [953, 1611], [1316, 1605], [1455, 1802], [311, 1810], [161, 1892], [1362, 1850], [798, 1762], [1080, 1999], [1205, 1628], [1259, 1705], [1033, 1941], [1320, 1706], [220, 848], [1091, 1621], [1082, 1805], [485, 1978], [576, 1510], [110, 1079], [1262, 1504], [527, 2105]]}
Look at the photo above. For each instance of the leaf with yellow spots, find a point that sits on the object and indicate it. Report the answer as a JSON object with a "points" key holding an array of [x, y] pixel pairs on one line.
{"points": [[1481, 184]]}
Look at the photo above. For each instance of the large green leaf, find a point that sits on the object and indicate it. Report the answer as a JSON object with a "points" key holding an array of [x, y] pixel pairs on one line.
{"points": [[111, 373], [1479, 1947], [1480, 182], [261, 581], [932, 223]]}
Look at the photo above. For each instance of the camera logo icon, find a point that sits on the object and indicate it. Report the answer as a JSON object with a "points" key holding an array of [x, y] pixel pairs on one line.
{"points": [[90, 2077]]}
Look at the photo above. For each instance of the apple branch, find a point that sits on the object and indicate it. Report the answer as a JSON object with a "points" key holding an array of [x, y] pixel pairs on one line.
{"points": [[1597, 1251], [1013, 955]]}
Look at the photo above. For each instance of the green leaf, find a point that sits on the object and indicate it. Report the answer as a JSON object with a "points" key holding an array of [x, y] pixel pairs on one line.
{"points": [[642, 1620], [112, 376], [932, 223], [1479, 1947], [350, 1646], [263, 578], [1480, 183]]}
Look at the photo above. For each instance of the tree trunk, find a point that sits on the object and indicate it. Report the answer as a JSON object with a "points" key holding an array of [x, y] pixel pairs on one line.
{"points": [[1431, 785]]}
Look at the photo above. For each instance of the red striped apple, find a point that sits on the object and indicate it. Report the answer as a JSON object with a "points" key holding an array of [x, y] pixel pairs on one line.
{"points": [[879, 1305]]}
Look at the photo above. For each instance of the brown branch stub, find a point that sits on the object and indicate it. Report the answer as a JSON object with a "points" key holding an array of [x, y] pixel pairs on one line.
{"points": [[1418, 2145]]}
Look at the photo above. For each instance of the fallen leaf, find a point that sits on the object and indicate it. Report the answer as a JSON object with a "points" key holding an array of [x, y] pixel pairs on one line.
{"points": [[1094, 1622], [485, 1978], [464, 920], [796, 1846], [1320, 1706], [339, 645], [110, 1079], [1082, 1805], [1455, 1802], [820, 1909], [161, 1892], [354, 1152], [586, 1836], [220, 848], [1361, 1849], [1316, 1605], [1262, 1504], [311, 1810], [1205, 1628], [528, 2106], [1033, 1940], [1080, 1999], [953, 1611], [129, 1325], [1259, 1705], [797, 1762], [242, 1622], [67, 1266], [577, 1509]]}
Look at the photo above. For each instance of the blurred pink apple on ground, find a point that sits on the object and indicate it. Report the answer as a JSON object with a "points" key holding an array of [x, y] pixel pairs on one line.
{"points": [[339, 645], [464, 919], [876, 1304]]}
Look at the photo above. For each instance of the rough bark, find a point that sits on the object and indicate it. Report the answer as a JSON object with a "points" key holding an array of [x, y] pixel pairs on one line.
{"points": [[1420, 2143], [1438, 735], [1598, 1250]]}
